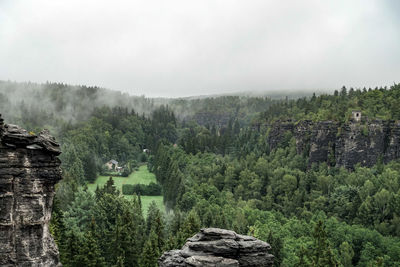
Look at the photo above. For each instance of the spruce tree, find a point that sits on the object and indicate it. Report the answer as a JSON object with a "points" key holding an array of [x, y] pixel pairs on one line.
{"points": [[77, 172], [89, 252], [155, 222], [322, 252], [151, 251], [346, 254], [276, 245], [190, 227], [90, 168]]}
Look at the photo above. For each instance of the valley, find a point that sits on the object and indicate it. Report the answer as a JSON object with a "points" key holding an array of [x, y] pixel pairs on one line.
{"points": [[140, 176]]}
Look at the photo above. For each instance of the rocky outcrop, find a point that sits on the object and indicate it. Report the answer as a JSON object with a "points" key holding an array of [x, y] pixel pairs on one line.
{"points": [[316, 140], [278, 133], [392, 141], [360, 143], [343, 145], [29, 169], [219, 247]]}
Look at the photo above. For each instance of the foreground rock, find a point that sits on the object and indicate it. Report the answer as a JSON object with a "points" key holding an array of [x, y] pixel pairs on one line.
{"points": [[219, 247], [29, 169]]}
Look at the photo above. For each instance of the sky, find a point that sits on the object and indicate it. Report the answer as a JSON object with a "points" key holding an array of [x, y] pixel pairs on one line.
{"points": [[185, 48]]}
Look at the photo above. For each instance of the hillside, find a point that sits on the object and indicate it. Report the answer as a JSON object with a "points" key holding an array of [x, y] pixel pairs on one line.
{"points": [[301, 174]]}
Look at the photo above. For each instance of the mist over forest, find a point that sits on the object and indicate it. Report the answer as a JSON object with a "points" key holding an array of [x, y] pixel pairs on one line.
{"points": [[42, 103], [30, 104], [200, 133], [279, 168]]}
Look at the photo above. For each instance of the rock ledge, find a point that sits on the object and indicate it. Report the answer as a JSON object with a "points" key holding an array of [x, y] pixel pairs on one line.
{"points": [[219, 247]]}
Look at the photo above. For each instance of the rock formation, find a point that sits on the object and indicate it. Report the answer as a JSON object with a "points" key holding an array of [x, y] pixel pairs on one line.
{"points": [[361, 143], [219, 247], [29, 169], [345, 145]]}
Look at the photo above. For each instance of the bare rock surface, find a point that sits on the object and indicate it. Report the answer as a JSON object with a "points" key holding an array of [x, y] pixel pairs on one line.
{"points": [[219, 247], [29, 169], [344, 145]]}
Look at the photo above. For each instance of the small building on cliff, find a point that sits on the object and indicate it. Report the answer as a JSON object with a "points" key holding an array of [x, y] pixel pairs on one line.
{"points": [[356, 115]]}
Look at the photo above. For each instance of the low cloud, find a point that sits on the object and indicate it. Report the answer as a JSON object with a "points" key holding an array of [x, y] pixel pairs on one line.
{"points": [[181, 48]]}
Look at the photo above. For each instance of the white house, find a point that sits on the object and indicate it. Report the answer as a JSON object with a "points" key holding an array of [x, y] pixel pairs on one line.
{"points": [[112, 164]]}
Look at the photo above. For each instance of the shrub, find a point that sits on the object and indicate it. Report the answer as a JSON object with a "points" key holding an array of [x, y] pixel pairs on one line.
{"points": [[126, 172], [151, 189]]}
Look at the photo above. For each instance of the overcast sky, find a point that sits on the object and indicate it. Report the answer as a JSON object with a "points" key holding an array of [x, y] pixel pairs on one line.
{"points": [[184, 47]]}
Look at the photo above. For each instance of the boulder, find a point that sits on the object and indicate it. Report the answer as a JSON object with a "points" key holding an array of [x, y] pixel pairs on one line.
{"points": [[219, 247]]}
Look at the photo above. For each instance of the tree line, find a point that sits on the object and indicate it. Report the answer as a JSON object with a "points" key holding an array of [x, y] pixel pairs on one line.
{"points": [[215, 174]]}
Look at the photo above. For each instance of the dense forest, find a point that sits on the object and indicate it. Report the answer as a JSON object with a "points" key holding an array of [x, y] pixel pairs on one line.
{"points": [[215, 170]]}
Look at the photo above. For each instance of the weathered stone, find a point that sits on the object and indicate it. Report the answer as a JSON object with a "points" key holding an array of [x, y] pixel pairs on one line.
{"points": [[210, 261], [278, 131], [323, 138], [208, 234], [392, 141], [29, 170], [15, 137], [360, 143], [172, 258], [345, 145], [219, 247], [302, 133]]}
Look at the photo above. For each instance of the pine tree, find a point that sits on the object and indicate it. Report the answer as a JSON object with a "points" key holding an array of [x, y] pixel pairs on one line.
{"points": [[190, 227], [110, 187], [303, 258], [90, 168], [155, 222], [276, 245], [130, 235], [69, 248], [56, 226], [89, 251], [150, 251], [76, 171], [322, 252], [346, 254]]}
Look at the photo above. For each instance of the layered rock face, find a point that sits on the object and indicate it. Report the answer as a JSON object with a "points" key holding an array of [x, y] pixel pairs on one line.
{"points": [[29, 169], [361, 144], [278, 132], [341, 145], [219, 247]]}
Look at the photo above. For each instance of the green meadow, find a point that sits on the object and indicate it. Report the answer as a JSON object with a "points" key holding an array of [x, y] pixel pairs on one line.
{"points": [[141, 176]]}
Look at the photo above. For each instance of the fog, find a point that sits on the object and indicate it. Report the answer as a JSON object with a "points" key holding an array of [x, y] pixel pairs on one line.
{"points": [[184, 48], [44, 105]]}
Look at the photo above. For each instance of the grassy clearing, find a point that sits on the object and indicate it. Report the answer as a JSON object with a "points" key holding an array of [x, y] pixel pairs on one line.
{"points": [[141, 176]]}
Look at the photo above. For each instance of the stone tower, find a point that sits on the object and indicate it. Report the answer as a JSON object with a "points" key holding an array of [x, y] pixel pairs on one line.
{"points": [[356, 115], [29, 169]]}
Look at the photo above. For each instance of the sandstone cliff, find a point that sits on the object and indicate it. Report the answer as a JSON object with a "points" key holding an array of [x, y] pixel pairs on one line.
{"points": [[219, 247], [29, 169], [342, 145]]}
